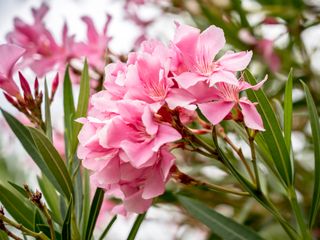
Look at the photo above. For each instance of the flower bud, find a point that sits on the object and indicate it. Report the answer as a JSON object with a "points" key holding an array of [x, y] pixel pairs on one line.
{"points": [[25, 86], [54, 86]]}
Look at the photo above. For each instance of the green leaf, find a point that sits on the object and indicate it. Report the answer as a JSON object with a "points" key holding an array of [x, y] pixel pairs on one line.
{"points": [[47, 111], [94, 212], [53, 161], [258, 195], [66, 227], [136, 226], [3, 235], [37, 220], [288, 111], [69, 110], [46, 230], [272, 136], [222, 226], [25, 137], [51, 198], [21, 190], [105, 232], [86, 201], [82, 107], [315, 128], [17, 208]]}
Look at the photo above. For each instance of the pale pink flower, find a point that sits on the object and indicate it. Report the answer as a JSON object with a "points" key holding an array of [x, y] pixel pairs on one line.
{"points": [[198, 51], [150, 79], [264, 47], [43, 53], [124, 145], [10, 54], [226, 97], [96, 46]]}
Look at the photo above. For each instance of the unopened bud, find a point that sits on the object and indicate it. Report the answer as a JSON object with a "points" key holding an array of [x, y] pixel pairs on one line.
{"points": [[25, 86], [36, 87], [54, 86], [11, 100]]}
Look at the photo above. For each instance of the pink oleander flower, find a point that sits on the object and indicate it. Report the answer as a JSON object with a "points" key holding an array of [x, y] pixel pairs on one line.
{"points": [[264, 47], [125, 146], [10, 54], [198, 51], [226, 97], [43, 53], [96, 47], [149, 78]]}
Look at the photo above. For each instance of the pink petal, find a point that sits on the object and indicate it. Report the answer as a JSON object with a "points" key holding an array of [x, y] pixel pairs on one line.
{"points": [[185, 34], [223, 76], [135, 203], [92, 34], [235, 61], [203, 92], [109, 174], [178, 97], [210, 42], [167, 161], [138, 153], [188, 79], [10, 54], [251, 117], [148, 121], [215, 112], [166, 134], [245, 85], [154, 185]]}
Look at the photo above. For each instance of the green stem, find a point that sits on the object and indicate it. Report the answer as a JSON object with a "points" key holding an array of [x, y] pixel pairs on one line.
{"points": [[23, 229], [190, 181], [298, 214], [136, 226], [254, 162], [108, 228]]}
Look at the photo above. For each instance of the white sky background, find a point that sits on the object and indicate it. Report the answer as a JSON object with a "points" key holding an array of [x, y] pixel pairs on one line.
{"points": [[159, 224]]}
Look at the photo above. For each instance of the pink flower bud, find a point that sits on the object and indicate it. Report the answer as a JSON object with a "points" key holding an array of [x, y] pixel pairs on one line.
{"points": [[54, 86], [10, 100], [36, 87], [25, 86]]}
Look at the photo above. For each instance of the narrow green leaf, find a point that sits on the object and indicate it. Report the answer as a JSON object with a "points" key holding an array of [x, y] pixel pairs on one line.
{"points": [[272, 135], [288, 111], [46, 230], [135, 228], [86, 201], [37, 219], [51, 198], [83, 102], [53, 161], [315, 128], [94, 212], [69, 110], [47, 111], [222, 226], [66, 227], [105, 232], [25, 137], [21, 190], [258, 195], [17, 208]]}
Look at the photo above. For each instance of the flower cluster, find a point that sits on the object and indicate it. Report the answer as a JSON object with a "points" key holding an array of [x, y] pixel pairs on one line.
{"points": [[131, 125], [44, 54]]}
